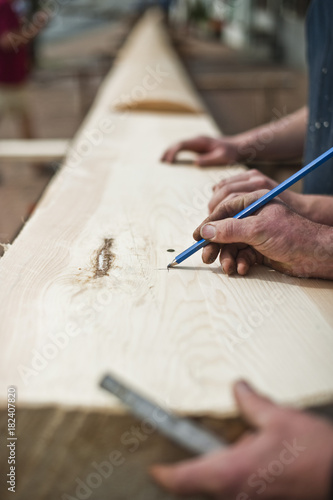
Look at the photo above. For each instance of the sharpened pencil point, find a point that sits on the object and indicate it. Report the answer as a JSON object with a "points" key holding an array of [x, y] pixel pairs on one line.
{"points": [[172, 264]]}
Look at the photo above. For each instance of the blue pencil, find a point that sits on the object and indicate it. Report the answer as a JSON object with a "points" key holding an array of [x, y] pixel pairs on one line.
{"points": [[259, 203]]}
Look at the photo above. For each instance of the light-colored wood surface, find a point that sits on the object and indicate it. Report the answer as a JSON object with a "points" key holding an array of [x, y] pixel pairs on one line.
{"points": [[33, 149], [125, 194], [149, 76], [199, 329], [84, 290], [188, 322]]}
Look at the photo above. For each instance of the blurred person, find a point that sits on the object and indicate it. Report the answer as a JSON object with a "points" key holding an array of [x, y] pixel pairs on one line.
{"points": [[288, 455], [15, 62], [307, 132]]}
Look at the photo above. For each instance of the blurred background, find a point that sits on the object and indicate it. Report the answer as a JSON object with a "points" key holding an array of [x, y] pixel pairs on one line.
{"points": [[247, 59]]}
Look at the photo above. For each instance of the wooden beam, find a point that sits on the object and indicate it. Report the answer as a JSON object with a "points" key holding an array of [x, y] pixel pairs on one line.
{"points": [[84, 289], [33, 150], [149, 75]]}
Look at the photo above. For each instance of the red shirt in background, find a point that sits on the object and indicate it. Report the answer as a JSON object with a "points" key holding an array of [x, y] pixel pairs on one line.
{"points": [[14, 62]]}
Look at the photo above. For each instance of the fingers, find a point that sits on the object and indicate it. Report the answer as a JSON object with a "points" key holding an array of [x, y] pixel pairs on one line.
{"points": [[170, 154], [256, 409], [262, 180], [231, 231], [216, 157], [235, 205], [245, 186], [246, 258], [227, 210], [201, 475], [210, 253], [234, 178], [235, 259], [223, 211], [196, 234], [198, 145], [228, 259]]}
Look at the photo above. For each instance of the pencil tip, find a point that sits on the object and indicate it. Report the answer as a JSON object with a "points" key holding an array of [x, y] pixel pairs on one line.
{"points": [[172, 264]]}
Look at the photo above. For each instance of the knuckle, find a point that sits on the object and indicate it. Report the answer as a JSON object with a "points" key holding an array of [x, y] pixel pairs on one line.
{"points": [[228, 229], [262, 183], [255, 172], [233, 195], [221, 183], [225, 191], [257, 230]]}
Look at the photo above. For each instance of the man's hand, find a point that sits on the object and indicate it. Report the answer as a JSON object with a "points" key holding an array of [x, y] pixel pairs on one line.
{"points": [[314, 207], [275, 236], [250, 181], [210, 151], [288, 456], [277, 140]]}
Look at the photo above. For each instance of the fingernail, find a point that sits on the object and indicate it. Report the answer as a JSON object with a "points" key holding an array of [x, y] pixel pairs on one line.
{"points": [[208, 232], [231, 270]]}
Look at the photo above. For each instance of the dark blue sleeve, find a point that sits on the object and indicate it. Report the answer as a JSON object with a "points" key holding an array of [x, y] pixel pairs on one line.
{"points": [[320, 126]]}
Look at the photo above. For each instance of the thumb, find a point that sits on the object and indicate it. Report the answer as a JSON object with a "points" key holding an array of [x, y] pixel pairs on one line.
{"points": [[216, 157], [230, 231], [256, 409]]}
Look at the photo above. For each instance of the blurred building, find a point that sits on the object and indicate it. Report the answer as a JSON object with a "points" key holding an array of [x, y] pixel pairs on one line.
{"points": [[273, 29]]}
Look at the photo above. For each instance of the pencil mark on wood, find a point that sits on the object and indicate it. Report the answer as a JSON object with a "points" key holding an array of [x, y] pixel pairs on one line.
{"points": [[104, 259]]}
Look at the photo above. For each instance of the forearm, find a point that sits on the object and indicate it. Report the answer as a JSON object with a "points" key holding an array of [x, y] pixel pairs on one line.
{"points": [[317, 208], [279, 140], [322, 265]]}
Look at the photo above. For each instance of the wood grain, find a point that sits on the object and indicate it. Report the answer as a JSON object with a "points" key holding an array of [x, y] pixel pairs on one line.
{"points": [[149, 75], [84, 290], [200, 329]]}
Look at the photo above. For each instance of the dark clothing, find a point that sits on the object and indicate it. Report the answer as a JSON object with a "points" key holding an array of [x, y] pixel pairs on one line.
{"points": [[320, 128], [14, 63]]}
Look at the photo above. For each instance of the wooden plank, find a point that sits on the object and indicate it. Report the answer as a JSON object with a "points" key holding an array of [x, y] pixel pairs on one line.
{"points": [[145, 207], [149, 76], [84, 289], [33, 149]]}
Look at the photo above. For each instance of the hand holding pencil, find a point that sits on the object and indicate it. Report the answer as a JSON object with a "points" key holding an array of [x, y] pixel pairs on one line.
{"points": [[289, 256], [275, 236]]}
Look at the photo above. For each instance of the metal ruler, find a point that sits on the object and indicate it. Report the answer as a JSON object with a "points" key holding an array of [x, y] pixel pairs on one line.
{"points": [[182, 431]]}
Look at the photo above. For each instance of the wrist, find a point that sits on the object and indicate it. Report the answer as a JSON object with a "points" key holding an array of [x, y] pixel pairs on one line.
{"points": [[323, 253], [244, 145], [330, 493]]}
